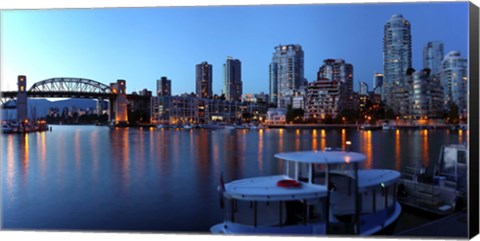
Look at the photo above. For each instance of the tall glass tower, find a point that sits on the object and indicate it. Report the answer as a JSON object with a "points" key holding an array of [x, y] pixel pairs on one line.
{"points": [[232, 86], [397, 59], [286, 74], [203, 80], [453, 78], [164, 87], [433, 56]]}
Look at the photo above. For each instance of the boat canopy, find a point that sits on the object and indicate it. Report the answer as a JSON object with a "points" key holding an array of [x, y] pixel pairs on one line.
{"points": [[322, 157], [372, 178], [266, 189]]}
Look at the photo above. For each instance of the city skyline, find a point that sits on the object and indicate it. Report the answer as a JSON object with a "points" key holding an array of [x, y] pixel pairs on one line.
{"points": [[110, 44]]}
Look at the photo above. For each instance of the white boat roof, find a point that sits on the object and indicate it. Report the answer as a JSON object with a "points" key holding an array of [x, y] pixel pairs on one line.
{"points": [[375, 177], [266, 189], [322, 157]]}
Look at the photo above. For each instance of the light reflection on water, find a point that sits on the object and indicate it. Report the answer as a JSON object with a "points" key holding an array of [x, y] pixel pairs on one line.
{"points": [[87, 177]]}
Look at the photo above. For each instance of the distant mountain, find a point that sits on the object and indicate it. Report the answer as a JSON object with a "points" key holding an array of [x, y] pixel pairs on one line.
{"points": [[41, 106]]}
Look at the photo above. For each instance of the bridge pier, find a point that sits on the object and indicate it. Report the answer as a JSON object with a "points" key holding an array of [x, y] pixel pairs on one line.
{"points": [[119, 105], [22, 106]]}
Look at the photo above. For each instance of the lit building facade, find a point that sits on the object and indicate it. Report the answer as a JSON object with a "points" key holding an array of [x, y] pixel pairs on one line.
{"points": [[426, 97], [286, 74], [342, 73], [190, 109], [397, 59], [232, 86], [433, 56], [203, 80], [453, 77], [322, 99], [363, 88], [378, 84], [164, 86]]}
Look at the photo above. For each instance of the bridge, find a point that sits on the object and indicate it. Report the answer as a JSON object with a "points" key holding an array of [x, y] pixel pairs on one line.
{"points": [[71, 88]]}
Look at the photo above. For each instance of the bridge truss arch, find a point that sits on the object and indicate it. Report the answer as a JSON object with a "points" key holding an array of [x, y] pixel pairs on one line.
{"points": [[72, 85]]}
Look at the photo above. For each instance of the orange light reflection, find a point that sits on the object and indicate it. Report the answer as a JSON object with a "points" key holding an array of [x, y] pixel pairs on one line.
{"points": [[397, 149], [323, 139], [426, 158]]}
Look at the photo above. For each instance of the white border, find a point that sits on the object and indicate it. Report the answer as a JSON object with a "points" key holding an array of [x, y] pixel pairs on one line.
{"points": [[48, 4]]}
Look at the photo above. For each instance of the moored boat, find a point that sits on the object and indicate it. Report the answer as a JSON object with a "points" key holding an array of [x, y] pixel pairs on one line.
{"points": [[320, 193], [440, 188]]}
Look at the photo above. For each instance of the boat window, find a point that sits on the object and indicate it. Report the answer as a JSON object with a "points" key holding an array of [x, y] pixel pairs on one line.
{"points": [[462, 157], [270, 213], [291, 169], [317, 209], [243, 212], [448, 162], [391, 195]]}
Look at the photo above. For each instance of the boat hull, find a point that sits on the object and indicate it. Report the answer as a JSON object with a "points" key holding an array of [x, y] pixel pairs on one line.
{"points": [[385, 228]]}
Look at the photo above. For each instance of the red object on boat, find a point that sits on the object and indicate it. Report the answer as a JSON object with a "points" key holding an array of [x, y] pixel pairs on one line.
{"points": [[289, 183]]}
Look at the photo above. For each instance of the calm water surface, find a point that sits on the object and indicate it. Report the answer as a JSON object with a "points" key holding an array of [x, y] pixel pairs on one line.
{"points": [[94, 178]]}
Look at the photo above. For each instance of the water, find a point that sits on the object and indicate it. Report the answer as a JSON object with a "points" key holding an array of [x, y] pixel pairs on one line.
{"points": [[94, 178]]}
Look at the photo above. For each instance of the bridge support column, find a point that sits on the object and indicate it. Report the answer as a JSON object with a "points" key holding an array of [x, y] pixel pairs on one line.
{"points": [[22, 106], [120, 104]]}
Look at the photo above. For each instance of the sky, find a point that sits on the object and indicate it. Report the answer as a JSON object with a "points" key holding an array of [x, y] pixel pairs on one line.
{"points": [[142, 44]]}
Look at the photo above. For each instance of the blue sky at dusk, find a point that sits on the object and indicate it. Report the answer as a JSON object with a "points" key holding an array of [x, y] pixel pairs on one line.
{"points": [[142, 44]]}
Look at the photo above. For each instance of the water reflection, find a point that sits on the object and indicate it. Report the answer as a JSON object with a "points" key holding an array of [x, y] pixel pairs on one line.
{"points": [[78, 150], [323, 139], [164, 171], [10, 165], [314, 140], [297, 140], [42, 149], [426, 158], [260, 150], [125, 145], [24, 153], [344, 139], [367, 148], [95, 154], [280, 140], [397, 149]]}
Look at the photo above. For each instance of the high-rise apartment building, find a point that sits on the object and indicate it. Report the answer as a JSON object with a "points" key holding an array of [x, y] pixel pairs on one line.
{"points": [[164, 86], [363, 88], [397, 59], [453, 77], [378, 84], [203, 80], [286, 74], [426, 98], [433, 56], [338, 70], [322, 99], [232, 86]]}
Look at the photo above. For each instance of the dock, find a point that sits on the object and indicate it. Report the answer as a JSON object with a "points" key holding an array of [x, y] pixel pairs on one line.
{"points": [[452, 226]]}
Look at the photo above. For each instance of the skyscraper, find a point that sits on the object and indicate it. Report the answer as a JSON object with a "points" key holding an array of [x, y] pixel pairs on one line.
{"points": [[453, 77], [233, 79], [433, 56], [397, 59], [164, 87], [363, 88], [337, 70], [378, 84], [286, 74], [203, 80]]}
